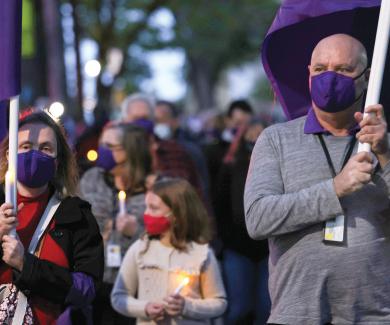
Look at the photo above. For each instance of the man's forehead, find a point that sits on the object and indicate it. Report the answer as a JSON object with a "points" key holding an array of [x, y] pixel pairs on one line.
{"points": [[336, 58], [340, 46]]}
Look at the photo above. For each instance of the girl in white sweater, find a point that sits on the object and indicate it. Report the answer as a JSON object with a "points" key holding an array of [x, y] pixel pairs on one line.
{"points": [[151, 282]]}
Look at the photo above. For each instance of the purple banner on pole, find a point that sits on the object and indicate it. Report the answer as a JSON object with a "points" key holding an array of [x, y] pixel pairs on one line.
{"points": [[298, 26], [10, 47], [3, 119]]}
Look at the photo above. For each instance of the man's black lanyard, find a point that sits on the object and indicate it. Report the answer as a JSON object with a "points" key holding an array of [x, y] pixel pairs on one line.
{"points": [[350, 147]]}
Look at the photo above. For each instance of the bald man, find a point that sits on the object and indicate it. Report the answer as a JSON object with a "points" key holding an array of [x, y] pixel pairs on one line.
{"points": [[306, 183]]}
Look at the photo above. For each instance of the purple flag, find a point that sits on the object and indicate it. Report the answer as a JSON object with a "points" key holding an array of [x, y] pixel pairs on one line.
{"points": [[10, 55], [298, 26], [10, 47], [3, 119]]}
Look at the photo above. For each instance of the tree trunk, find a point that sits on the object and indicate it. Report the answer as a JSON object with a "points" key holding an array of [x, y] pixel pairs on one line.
{"points": [[55, 66], [202, 81], [78, 110]]}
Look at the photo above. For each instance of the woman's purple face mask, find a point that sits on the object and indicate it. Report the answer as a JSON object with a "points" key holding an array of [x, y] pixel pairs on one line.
{"points": [[37, 152]]}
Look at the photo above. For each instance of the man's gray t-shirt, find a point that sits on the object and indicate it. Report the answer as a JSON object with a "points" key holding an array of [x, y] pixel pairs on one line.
{"points": [[289, 195]]}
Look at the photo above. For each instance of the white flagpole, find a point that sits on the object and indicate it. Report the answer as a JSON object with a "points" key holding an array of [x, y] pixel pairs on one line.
{"points": [[11, 176], [378, 62]]}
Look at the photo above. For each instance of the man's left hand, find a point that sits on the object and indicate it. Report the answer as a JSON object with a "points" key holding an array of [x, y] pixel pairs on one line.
{"points": [[374, 132]]}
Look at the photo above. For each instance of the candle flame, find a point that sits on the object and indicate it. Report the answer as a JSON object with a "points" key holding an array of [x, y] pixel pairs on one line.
{"points": [[92, 155], [185, 281], [122, 195]]}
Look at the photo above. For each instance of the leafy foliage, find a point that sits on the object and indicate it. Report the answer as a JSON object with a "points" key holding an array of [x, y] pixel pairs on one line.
{"points": [[214, 35]]}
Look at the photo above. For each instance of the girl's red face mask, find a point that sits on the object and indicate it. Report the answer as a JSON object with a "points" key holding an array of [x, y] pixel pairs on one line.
{"points": [[156, 225]]}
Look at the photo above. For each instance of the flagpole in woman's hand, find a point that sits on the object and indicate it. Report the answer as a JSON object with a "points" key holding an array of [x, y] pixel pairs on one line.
{"points": [[11, 176]]}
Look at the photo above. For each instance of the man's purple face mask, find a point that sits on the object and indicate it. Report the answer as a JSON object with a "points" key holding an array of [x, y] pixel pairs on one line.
{"points": [[333, 92]]}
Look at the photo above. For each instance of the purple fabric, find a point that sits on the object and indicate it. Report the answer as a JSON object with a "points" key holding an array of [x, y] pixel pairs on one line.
{"points": [[105, 158], [147, 125], [35, 168], [80, 297], [10, 47], [332, 92], [298, 26], [313, 126], [3, 119]]}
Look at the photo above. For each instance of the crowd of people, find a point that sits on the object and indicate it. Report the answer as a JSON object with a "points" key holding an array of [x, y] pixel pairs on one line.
{"points": [[130, 255], [159, 229]]}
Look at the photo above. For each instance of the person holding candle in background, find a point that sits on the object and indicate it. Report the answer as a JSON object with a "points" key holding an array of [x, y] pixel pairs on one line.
{"points": [[123, 163], [171, 274], [68, 260]]}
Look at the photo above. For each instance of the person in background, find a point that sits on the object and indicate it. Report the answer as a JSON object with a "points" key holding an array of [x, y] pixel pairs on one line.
{"points": [[166, 118], [66, 266], [89, 139], [167, 127], [244, 260], [223, 131], [135, 107], [169, 157], [174, 248], [238, 115], [123, 163]]}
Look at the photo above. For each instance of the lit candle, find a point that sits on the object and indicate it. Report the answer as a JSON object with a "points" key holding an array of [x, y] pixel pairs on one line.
{"points": [[122, 202], [183, 283], [92, 155]]}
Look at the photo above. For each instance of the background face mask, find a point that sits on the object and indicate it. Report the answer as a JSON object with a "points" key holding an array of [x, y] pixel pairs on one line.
{"points": [[105, 159], [35, 168], [163, 131], [333, 92]]}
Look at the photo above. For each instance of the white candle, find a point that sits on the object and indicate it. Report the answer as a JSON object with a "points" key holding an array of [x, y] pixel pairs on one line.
{"points": [[183, 283], [122, 202]]}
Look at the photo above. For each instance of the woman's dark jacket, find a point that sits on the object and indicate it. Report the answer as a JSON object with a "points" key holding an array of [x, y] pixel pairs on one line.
{"points": [[77, 233]]}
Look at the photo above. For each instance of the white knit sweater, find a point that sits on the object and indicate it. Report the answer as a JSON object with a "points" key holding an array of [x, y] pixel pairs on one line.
{"points": [[149, 274]]}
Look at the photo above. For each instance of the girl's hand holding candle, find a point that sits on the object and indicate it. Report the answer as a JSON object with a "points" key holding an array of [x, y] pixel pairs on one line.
{"points": [[175, 302]]}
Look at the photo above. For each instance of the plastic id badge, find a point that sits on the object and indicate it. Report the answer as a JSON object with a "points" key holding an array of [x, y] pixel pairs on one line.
{"points": [[334, 229], [114, 258]]}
